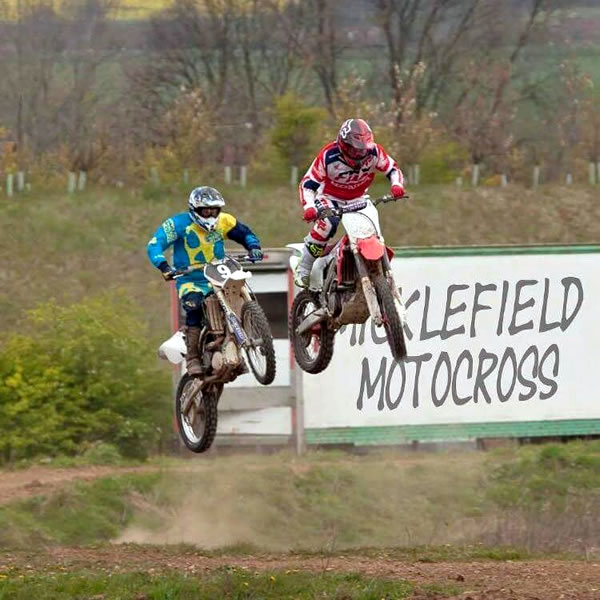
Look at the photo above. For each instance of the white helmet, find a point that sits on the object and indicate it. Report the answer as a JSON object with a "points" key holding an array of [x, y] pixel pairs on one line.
{"points": [[201, 199]]}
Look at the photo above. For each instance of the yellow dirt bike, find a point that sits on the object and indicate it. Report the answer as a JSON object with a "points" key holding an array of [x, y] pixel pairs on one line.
{"points": [[236, 332]]}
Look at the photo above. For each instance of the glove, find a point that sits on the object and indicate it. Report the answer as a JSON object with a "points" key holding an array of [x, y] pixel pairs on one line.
{"points": [[310, 214], [397, 191], [167, 271], [255, 255]]}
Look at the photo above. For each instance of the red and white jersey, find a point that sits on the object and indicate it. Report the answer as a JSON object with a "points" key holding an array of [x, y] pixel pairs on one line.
{"points": [[331, 176]]}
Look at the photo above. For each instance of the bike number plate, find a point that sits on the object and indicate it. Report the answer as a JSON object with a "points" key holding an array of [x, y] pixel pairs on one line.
{"points": [[219, 273]]}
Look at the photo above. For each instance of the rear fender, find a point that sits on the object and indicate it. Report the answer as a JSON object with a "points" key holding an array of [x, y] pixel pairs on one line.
{"points": [[173, 349]]}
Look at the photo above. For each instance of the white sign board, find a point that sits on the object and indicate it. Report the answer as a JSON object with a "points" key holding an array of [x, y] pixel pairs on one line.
{"points": [[490, 338]]}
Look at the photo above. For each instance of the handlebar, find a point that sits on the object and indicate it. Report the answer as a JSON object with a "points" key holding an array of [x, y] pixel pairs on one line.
{"points": [[242, 258], [338, 211]]}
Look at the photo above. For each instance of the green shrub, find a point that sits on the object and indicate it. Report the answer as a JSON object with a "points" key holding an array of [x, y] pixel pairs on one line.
{"points": [[80, 374], [102, 453], [442, 162], [295, 129]]}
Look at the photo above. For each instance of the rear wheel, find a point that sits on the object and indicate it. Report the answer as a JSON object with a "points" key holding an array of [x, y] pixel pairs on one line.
{"points": [[261, 353], [391, 319], [313, 350], [198, 424]]}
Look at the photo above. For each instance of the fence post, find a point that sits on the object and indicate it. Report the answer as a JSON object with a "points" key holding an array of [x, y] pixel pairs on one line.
{"points": [[228, 175], [20, 181], [71, 182], [475, 178], [294, 177], [243, 175], [569, 179], [417, 177], [503, 180], [82, 181], [9, 184], [536, 176]]}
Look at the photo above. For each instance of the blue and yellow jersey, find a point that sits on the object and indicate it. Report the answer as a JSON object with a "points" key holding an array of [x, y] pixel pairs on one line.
{"points": [[193, 245]]}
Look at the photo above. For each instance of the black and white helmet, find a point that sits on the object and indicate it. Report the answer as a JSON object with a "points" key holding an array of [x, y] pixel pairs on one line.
{"points": [[205, 204]]}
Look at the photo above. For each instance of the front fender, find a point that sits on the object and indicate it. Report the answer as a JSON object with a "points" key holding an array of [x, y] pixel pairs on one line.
{"points": [[371, 248]]}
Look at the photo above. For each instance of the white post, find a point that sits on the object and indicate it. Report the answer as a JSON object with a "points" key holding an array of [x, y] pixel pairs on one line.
{"points": [[20, 181], [154, 175], [503, 180], [475, 178], [243, 175], [71, 182], [417, 178], [82, 181], [592, 173], [569, 179], [9, 184], [294, 177], [459, 182], [536, 175], [186, 176], [228, 175]]}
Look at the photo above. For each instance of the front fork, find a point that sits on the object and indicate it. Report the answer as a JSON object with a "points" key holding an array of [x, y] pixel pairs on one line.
{"points": [[367, 286], [233, 322], [387, 267]]}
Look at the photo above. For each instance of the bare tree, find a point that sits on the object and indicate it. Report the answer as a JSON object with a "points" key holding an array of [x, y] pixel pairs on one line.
{"points": [[430, 32], [312, 27], [489, 90], [269, 65], [48, 78]]}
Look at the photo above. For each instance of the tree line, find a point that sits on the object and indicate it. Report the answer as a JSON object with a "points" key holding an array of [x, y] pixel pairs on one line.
{"points": [[210, 82]]}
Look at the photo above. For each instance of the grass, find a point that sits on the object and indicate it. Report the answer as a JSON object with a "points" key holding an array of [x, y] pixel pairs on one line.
{"points": [[78, 514], [99, 453], [463, 506], [227, 583]]}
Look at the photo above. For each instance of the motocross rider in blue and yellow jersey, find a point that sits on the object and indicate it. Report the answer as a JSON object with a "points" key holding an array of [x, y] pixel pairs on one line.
{"points": [[198, 237]]}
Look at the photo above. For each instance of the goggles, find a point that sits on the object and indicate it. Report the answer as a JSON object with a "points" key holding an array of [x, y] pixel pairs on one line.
{"points": [[208, 211]]}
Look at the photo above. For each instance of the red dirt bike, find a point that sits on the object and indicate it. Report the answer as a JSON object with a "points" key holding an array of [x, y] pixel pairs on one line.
{"points": [[351, 282]]}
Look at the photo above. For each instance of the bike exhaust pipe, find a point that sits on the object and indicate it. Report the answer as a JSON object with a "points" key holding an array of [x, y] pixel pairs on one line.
{"points": [[313, 319]]}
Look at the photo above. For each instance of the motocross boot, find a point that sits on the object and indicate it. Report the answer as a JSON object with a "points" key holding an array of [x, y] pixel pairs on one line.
{"points": [[302, 272], [192, 358]]}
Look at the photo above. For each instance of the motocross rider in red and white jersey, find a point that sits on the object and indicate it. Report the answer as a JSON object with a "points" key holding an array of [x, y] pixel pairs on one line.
{"points": [[341, 172]]}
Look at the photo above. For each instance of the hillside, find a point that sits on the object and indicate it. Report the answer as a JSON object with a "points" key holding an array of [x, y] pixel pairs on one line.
{"points": [[68, 247]]}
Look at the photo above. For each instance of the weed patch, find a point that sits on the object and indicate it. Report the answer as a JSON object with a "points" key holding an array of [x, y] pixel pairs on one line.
{"points": [[226, 583]]}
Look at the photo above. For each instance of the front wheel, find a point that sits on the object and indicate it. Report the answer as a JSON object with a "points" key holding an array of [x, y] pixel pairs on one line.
{"points": [[261, 353], [391, 319], [198, 426], [313, 350]]}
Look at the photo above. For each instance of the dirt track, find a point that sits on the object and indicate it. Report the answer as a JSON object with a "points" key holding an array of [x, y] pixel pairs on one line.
{"points": [[18, 485], [477, 580]]}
